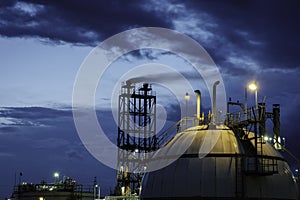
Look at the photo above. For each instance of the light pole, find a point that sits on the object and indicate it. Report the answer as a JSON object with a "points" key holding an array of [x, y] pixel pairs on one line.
{"points": [[253, 87], [95, 191], [187, 98], [56, 176]]}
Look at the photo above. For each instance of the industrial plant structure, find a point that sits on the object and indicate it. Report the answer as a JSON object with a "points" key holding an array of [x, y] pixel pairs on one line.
{"points": [[244, 162], [65, 189], [136, 134]]}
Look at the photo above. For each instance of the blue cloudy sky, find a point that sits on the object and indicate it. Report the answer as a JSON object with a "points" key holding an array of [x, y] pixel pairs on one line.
{"points": [[43, 43]]}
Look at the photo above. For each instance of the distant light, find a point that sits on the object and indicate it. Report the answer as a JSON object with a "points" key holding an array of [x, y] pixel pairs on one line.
{"points": [[41, 198], [136, 150], [96, 185], [187, 96], [123, 190], [56, 175], [266, 138], [296, 170], [252, 86]]}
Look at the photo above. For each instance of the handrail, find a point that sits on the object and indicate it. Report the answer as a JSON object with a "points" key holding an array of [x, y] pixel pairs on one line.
{"points": [[162, 137]]}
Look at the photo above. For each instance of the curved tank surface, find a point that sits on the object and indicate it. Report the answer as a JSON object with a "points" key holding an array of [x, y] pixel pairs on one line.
{"points": [[223, 172]]}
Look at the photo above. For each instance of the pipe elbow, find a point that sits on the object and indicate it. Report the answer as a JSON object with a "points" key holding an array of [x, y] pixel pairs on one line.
{"points": [[216, 83]]}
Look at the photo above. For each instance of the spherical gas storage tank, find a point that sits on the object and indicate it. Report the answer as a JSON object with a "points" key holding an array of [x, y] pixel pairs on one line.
{"points": [[214, 166]]}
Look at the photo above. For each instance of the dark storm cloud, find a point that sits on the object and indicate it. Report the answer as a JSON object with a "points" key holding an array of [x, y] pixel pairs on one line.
{"points": [[33, 112], [13, 118], [79, 22], [266, 31]]}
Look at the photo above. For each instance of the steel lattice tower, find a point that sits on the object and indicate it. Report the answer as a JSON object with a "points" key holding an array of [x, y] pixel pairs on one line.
{"points": [[136, 135]]}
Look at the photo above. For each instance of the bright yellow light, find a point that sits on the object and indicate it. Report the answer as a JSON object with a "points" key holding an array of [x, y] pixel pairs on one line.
{"points": [[252, 86], [123, 190], [41, 198], [187, 96], [56, 174]]}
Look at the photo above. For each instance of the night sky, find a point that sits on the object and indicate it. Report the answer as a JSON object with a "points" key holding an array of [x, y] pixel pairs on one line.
{"points": [[43, 43]]}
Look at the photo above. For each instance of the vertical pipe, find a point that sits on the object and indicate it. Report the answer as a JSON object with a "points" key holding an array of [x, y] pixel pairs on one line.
{"points": [[262, 119], [276, 125], [256, 101], [198, 103], [214, 101], [99, 192]]}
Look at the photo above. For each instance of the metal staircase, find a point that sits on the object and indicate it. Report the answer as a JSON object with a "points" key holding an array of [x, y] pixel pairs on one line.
{"points": [[249, 125]]}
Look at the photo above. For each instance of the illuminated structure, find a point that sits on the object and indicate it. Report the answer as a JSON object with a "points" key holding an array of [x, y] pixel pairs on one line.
{"points": [[240, 165], [226, 172], [65, 189], [136, 135]]}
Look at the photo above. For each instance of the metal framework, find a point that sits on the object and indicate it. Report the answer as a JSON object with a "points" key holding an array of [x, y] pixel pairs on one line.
{"points": [[65, 189], [136, 135], [254, 161]]}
